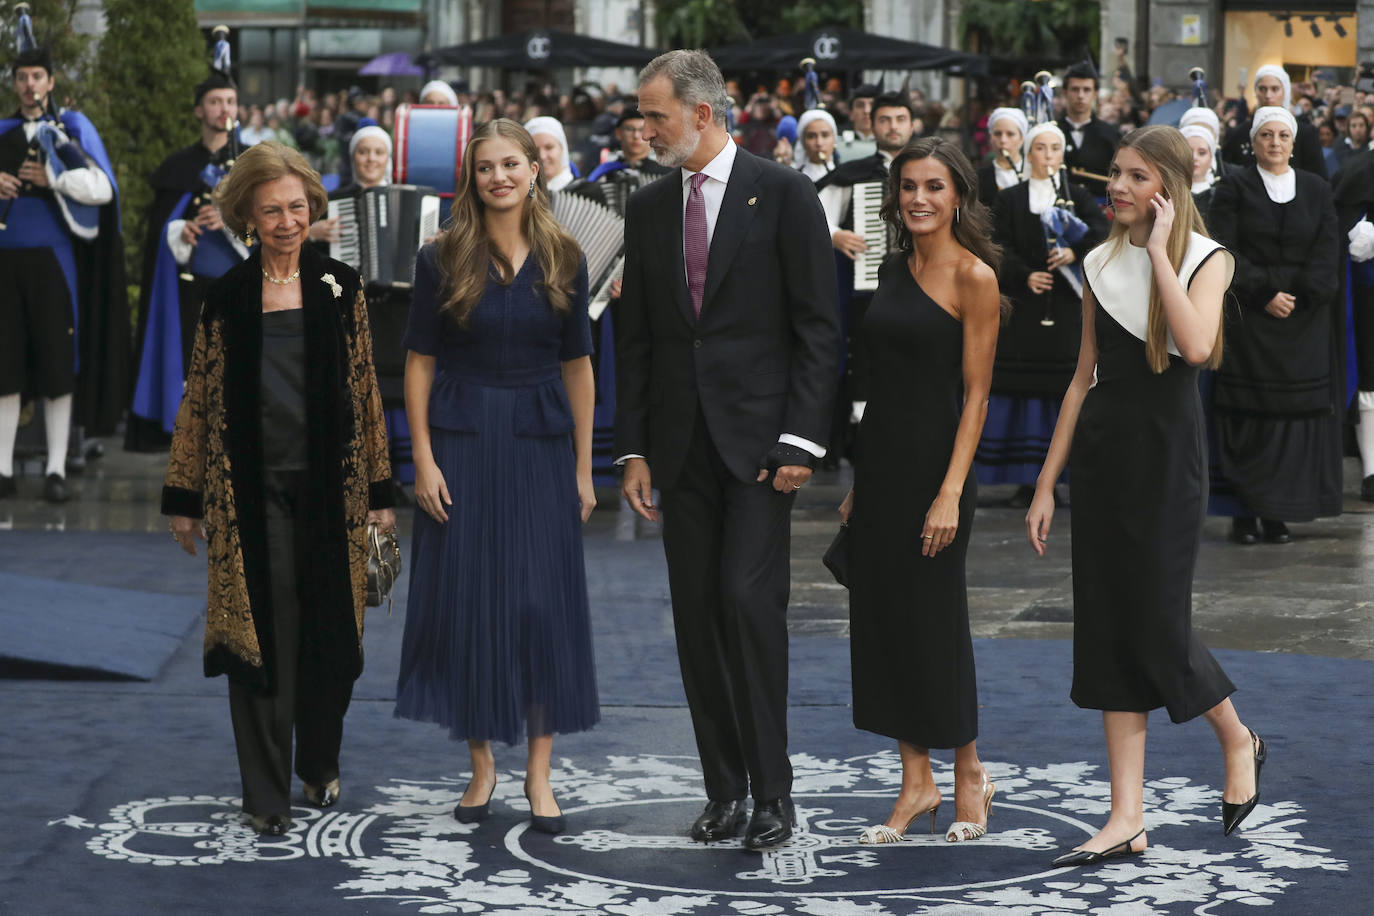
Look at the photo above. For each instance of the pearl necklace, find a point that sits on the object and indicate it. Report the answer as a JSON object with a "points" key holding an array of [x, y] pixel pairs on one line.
{"points": [[271, 279]]}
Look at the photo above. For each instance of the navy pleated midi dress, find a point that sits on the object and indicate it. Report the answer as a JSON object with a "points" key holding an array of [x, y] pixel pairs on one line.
{"points": [[497, 641]]}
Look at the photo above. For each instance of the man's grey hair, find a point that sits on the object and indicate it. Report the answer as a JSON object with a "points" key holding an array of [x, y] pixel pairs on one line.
{"points": [[695, 78]]}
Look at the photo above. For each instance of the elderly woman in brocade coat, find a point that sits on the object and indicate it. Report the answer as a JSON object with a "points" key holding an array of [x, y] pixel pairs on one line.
{"points": [[279, 457]]}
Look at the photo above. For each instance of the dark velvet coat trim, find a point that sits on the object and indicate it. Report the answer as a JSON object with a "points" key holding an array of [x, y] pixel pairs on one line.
{"points": [[381, 494], [180, 501]]}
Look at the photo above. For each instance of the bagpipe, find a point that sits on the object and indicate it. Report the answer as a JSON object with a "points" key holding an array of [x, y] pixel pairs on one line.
{"points": [[214, 254], [1063, 228]]}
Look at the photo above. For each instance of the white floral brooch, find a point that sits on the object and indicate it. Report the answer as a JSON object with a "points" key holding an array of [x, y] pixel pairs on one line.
{"points": [[333, 285]]}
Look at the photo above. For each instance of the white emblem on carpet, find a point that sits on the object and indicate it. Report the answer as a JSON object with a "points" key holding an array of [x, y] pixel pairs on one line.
{"points": [[626, 851]]}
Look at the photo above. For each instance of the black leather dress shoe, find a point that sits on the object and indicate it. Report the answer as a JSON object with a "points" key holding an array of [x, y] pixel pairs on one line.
{"points": [[720, 820], [55, 489], [7, 487], [1275, 532], [1244, 531], [271, 824], [771, 823]]}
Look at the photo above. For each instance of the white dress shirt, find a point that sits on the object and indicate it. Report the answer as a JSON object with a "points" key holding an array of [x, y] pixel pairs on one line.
{"points": [[1076, 130], [717, 173]]}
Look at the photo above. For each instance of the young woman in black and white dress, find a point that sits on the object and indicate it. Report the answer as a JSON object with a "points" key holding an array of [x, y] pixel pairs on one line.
{"points": [[1133, 418]]}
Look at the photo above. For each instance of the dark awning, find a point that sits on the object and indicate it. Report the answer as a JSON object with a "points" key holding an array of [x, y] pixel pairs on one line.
{"points": [[540, 50], [845, 49]]}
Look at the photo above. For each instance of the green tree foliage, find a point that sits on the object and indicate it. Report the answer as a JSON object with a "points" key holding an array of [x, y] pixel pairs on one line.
{"points": [[1031, 28], [151, 56], [703, 23], [71, 52]]}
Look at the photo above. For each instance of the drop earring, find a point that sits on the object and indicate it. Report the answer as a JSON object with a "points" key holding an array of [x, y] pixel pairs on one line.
{"points": [[531, 194], [956, 215]]}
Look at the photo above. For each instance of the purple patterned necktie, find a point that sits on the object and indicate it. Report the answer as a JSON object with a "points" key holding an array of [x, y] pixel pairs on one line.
{"points": [[694, 242]]}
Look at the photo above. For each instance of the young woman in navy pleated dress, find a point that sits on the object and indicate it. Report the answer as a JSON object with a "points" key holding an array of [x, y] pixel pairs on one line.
{"points": [[1152, 303], [499, 396]]}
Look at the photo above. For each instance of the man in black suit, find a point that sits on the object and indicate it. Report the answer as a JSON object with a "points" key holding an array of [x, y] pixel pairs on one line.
{"points": [[1090, 142], [727, 355]]}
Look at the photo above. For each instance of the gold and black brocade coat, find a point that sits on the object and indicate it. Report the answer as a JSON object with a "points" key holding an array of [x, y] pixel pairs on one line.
{"points": [[215, 471]]}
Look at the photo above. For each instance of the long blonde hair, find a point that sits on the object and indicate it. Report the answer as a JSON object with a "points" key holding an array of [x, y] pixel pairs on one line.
{"points": [[465, 252], [1166, 149]]}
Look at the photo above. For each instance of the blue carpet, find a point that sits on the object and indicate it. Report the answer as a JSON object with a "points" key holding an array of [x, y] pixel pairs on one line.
{"points": [[76, 605], [123, 798]]}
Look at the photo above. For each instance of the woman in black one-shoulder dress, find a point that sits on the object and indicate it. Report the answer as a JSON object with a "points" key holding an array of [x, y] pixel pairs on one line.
{"points": [[1133, 417], [931, 334]]}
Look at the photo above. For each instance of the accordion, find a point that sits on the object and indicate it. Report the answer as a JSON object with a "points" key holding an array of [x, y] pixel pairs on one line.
{"points": [[381, 230], [600, 232], [868, 201]]}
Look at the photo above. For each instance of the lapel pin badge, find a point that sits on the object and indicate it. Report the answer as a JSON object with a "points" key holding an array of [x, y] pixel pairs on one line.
{"points": [[753, 200]]}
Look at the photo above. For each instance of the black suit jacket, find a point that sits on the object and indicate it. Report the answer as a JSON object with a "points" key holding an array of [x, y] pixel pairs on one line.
{"points": [[764, 357], [1094, 154]]}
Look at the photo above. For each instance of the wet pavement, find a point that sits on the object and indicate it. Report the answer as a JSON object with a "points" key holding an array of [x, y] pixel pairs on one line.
{"points": [[1311, 596]]}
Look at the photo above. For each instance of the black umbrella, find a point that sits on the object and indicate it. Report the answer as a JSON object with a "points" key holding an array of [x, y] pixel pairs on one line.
{"points": [[540, 50], [845, 49]]}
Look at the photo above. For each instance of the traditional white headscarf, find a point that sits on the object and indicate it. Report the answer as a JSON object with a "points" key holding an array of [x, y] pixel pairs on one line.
{"points": [[800, 158], [374, 132], [1202, 117], [1279, 74], [1202, 133], [442, 88], [1045, 128], [553, 127], [1015, 115], [816, 114], [1270, 113]]}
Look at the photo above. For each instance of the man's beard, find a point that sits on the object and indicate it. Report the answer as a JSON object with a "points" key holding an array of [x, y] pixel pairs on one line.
{"points": [[677, 154], [887, 147]]}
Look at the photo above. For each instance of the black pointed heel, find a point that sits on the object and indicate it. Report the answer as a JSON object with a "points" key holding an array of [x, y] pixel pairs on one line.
{"points": [[1084, 857], [544, 824], [1233, 814], [473, 814]]}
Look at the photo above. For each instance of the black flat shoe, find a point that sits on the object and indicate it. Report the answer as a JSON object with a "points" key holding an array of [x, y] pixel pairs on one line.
{"points": [[322, 796], [720, 820], [473, 814], [1232, 815], [1084, 857], [1275, 532], [271, 824], [770, 824], [55, 489], [1244, 531], [550, 825]]}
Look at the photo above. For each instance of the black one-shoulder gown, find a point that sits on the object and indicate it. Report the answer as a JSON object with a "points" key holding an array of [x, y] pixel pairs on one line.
{"points": [[910, 649]]}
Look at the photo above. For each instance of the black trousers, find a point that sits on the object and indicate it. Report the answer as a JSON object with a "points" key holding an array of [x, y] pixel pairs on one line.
{"points": [[729, 572], [36, 331], [263, 723]]}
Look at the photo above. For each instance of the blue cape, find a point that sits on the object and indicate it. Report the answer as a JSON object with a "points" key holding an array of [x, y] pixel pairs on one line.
{"points": [[34, 214]]}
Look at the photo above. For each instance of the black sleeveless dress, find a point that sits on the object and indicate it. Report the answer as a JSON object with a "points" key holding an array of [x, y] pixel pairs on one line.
{"points": [[1139, 487], [910, 649]]}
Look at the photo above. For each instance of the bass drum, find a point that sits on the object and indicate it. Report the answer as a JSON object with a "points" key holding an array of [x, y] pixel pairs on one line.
{"points": [[430, 141]]}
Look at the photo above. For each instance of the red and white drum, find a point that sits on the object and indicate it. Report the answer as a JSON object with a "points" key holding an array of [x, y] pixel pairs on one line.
{"points": [[430, 140]]}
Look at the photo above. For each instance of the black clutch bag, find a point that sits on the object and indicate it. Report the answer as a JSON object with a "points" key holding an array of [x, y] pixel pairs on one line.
{"points": [[836, 557]]}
